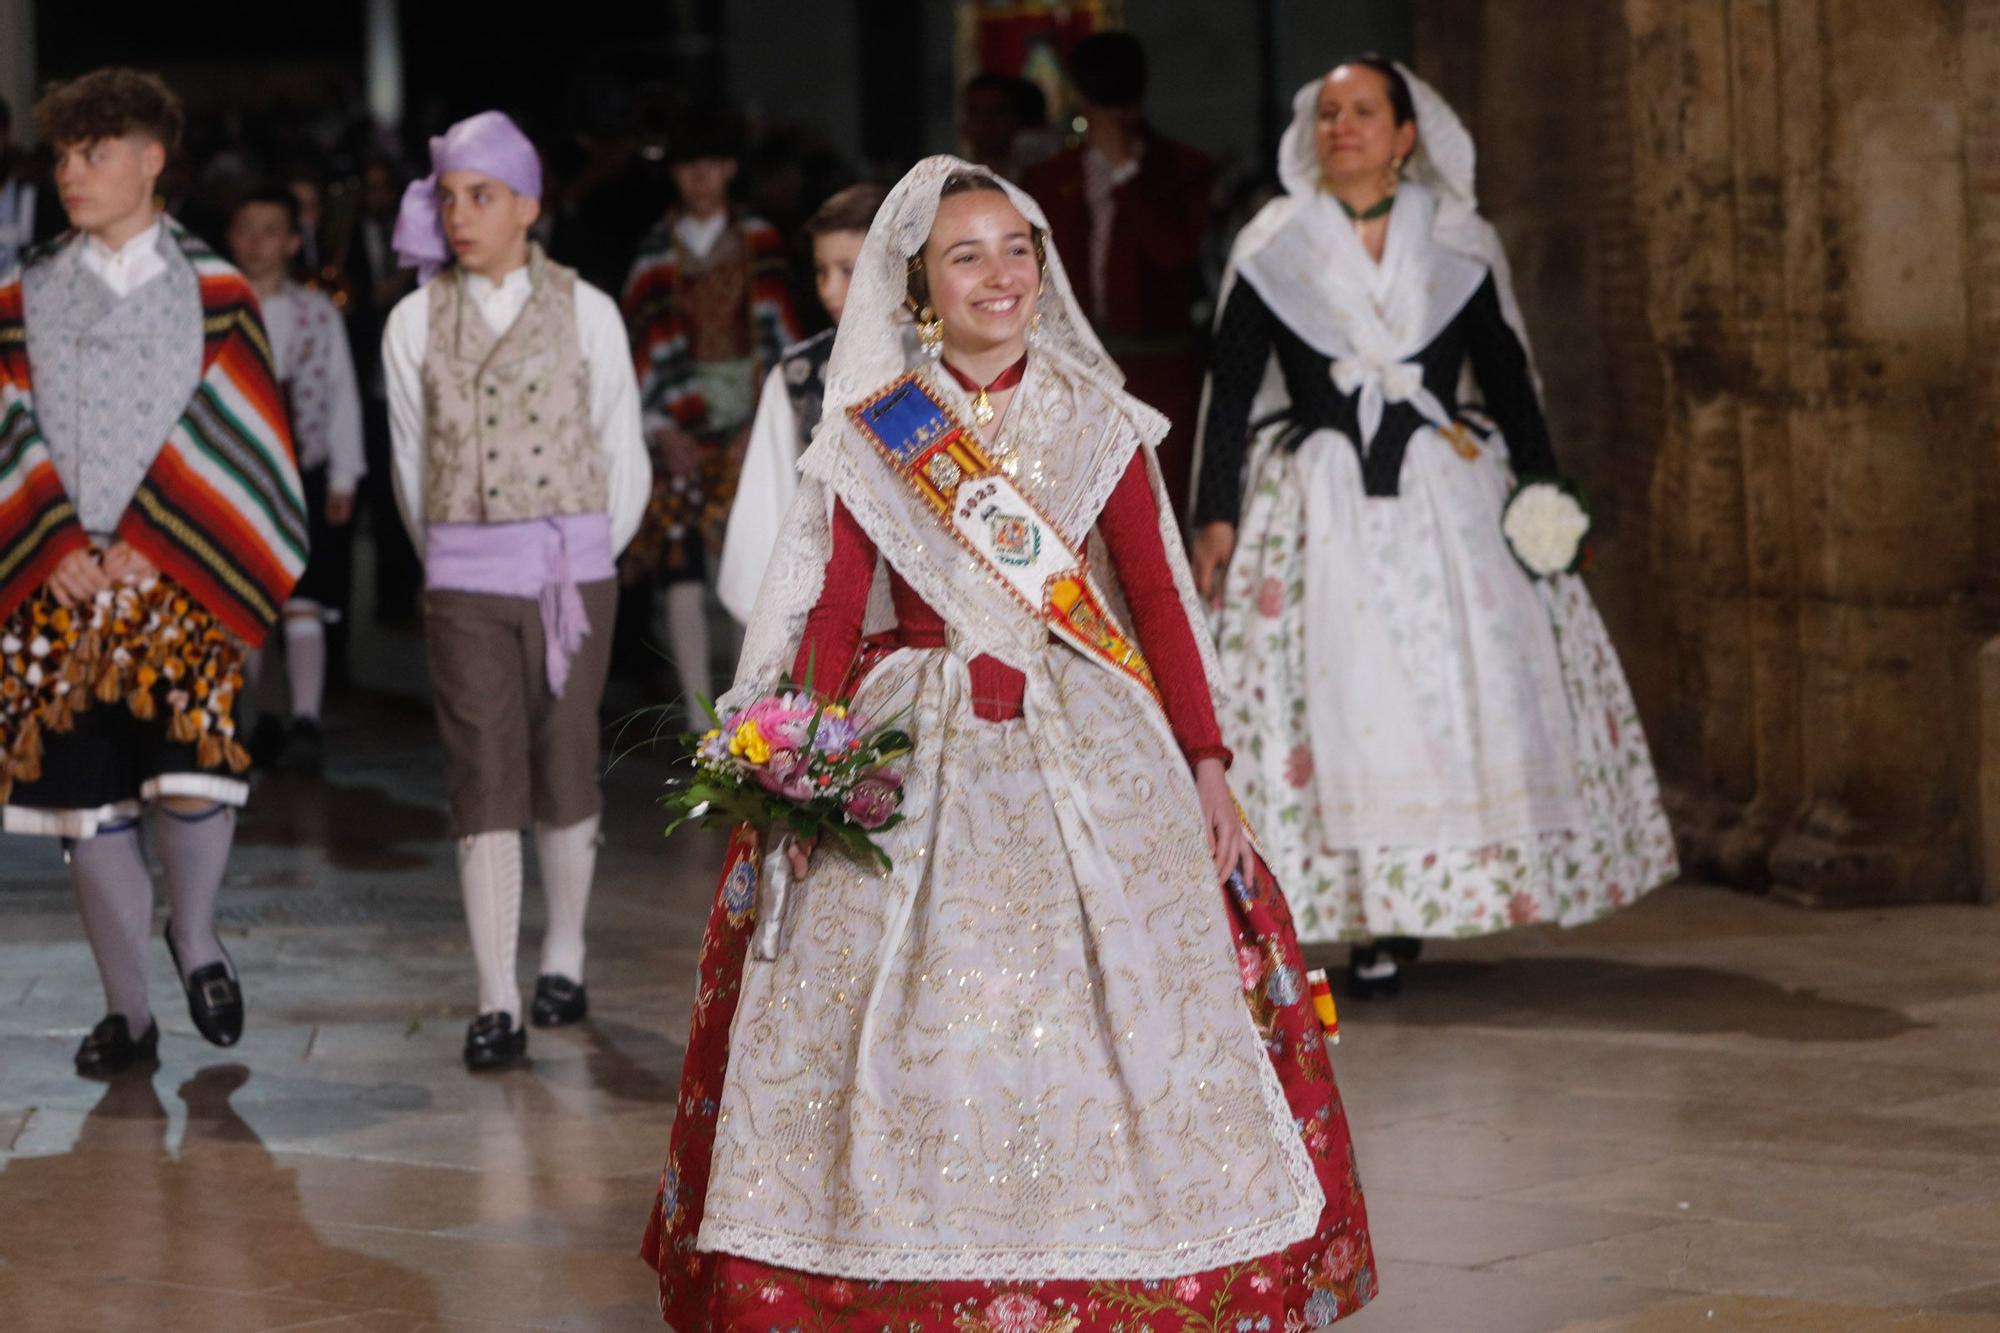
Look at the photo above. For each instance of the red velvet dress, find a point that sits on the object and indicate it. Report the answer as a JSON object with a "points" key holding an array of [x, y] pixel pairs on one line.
{"points": [[1314, 1282]]}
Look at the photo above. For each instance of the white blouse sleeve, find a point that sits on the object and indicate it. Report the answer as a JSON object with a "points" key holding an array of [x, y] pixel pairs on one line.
{"points": [[614, 411], [770, 478], [403, 340], [346, 463]]}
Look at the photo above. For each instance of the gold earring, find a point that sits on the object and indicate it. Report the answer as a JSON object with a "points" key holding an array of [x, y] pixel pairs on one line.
{"points": [[1392, 175], [930, 333]]}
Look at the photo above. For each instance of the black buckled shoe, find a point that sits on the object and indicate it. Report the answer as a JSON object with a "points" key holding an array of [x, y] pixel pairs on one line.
{"points": [[558, 1002], [110, 1048], [493, 1042], [215, 998]]}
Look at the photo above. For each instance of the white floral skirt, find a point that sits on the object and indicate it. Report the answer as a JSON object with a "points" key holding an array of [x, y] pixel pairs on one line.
{"points": [[1436, 594]]}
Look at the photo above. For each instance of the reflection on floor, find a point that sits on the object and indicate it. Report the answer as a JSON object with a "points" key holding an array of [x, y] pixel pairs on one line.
{"points": [[1712, 1112]]}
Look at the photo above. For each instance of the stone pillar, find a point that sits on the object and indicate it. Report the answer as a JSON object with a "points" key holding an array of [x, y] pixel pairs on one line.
{"points": [[1758, 244]]}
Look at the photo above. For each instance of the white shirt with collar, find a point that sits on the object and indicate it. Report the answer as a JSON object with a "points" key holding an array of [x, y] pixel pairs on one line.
{"points": [[614, 394], [1101, 179], [309, 346], [699, 235], [129, 267]]}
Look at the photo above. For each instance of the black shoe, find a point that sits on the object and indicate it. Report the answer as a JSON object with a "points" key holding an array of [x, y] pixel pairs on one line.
{"points": [[267, 742], [493, 1042], [1366, 979], [215, 999], [558, 1002], [305, 747], [110, 1048]]}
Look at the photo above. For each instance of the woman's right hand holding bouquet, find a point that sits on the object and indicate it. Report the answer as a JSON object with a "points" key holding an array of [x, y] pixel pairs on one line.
{"points": [[798, 766]]}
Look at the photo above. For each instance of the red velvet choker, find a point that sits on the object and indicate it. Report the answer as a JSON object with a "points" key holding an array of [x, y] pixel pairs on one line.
{"points": [[982, 406]]}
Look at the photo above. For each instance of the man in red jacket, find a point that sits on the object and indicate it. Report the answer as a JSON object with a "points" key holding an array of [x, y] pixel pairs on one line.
{"points": [[1129, 209]]}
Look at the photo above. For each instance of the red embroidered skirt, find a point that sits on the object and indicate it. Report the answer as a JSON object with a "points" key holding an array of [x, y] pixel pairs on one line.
{"points": [[1316, 1281]]}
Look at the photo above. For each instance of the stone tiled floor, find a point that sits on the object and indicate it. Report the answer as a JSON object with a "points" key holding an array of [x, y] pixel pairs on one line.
{"points": [[1712, 1112]]}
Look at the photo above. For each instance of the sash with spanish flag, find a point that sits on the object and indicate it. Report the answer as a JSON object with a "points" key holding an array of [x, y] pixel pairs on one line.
{"points": [[948, 467]]}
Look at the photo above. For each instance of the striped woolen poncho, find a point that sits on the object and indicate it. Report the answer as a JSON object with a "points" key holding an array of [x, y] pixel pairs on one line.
{"points": [[662, 348], [219, 514]]}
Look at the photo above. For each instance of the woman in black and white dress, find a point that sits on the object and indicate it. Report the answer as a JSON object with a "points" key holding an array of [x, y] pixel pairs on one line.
{"points": [[1431, 741]]}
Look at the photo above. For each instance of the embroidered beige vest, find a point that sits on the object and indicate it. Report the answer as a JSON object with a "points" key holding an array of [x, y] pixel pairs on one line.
{"points": [[507, 417]]}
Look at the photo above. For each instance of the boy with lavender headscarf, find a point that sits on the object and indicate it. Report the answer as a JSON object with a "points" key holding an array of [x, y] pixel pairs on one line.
{"points": [[521, 472]]}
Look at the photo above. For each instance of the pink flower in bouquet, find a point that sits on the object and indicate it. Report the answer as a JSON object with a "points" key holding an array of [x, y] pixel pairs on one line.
{"points": [[874, 799], [788, 775], [784, 721]]}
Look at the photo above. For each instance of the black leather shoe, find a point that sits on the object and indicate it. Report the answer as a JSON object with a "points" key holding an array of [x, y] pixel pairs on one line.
{"points": [[493, 1042], [558, 1002], [1367, 978], [1405, 949], [110, 1048], [215, 999]]}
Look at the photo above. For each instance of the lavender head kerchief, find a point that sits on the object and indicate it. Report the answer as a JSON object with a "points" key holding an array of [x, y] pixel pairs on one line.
{"points": [[488, 143]]}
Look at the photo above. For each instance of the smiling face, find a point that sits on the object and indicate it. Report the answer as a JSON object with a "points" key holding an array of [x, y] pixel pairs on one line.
{"points": [[1355, 133], [485, 222], [107, 183], [980, 264]]}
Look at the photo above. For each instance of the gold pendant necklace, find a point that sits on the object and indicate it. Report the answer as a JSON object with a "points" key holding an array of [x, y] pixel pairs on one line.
{"points": [[982, 405]]}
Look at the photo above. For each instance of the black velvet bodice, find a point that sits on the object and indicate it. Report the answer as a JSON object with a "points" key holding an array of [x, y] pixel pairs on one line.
{"points": [[1250, 333]]}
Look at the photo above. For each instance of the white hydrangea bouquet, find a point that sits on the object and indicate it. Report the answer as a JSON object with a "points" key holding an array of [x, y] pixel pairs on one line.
{"points": [[1545, 521]]}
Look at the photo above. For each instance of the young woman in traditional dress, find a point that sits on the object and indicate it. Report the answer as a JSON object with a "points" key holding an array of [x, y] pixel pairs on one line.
{"points": [[1431, 741], [1055, 1070]]}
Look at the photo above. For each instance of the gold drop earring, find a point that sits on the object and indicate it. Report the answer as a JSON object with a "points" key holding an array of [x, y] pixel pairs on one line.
{"points": [[1392, 176], [930, 333]]}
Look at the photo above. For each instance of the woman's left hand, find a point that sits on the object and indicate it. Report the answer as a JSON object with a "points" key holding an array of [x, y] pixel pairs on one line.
{"points": [[1230, 844]]}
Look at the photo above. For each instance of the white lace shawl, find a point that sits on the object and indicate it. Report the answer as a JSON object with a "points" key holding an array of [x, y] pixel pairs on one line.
{"points": [[1302, 232], [1071, 420]]}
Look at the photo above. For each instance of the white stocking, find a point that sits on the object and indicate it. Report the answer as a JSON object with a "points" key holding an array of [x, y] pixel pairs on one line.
{"points": [[489, 877], [684, 613], [305, 658], [568, 858], [114, 895]]}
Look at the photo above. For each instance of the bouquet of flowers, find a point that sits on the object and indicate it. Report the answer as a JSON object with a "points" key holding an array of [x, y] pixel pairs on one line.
{"points": [[790, 762], [1545, 522]]}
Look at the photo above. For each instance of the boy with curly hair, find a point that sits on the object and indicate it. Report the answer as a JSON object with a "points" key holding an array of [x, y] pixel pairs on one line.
{"points": [[150, 528]]}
